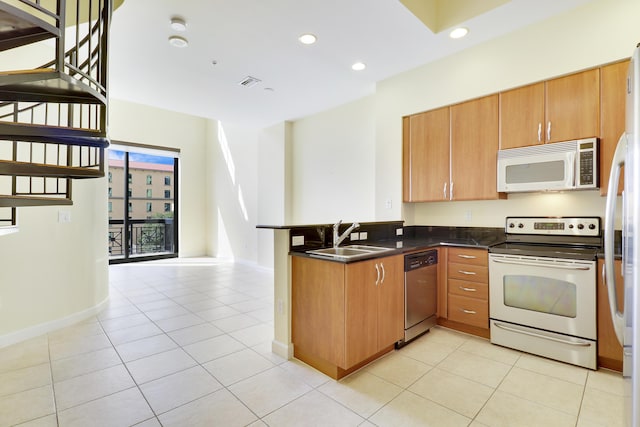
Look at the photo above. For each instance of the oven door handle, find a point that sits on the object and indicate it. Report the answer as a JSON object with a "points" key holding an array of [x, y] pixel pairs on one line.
{"points": [[533, 334], [618, 161], [542, 264]]}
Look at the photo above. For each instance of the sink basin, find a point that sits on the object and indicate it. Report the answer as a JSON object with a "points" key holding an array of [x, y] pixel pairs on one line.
{"points": [[347, 252]]}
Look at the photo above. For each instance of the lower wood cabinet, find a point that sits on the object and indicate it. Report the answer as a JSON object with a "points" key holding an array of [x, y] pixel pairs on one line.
{"points": [[345, 315], [609, 349]]}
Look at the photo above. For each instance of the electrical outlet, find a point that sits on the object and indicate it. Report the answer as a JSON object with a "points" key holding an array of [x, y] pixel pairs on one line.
{"points": [[399, 231], [297, 240], [388, 204], [363, 235], [354, 236], [64, 216], [468, 216]]}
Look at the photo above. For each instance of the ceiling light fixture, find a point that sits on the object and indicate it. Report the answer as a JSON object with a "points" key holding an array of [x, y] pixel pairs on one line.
{"points": [[177, 41], [178, 24], [459, 32], [307, 39], [358, 66]]}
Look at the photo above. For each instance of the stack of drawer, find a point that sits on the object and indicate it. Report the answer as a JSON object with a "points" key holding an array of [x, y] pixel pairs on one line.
{"points": [[468, 286]]}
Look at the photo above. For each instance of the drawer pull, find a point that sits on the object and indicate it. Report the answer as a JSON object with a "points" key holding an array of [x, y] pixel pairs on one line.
{"points": [[467, 289], [467, 256], [468, 311], [468, 273]]}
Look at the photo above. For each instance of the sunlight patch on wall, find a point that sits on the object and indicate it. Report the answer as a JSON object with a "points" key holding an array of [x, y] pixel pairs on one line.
{"points": [[226, 152], [243, 207], [224, 243]]}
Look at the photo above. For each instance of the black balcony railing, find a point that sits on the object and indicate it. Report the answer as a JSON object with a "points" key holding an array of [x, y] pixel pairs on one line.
{"points": [[146, 237]]}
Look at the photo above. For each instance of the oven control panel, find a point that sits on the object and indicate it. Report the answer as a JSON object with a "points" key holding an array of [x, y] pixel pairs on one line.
{"points": [[560, 226]]}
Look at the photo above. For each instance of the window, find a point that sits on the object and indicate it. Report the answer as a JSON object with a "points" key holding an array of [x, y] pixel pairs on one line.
{"points": [[110, 192], [129, 178], [110, 177], [167, 194], [167, 207], [130, 207], [129, 192], [149, 207], [110, 207], [167, 180], [149, 179], [149, 193]]}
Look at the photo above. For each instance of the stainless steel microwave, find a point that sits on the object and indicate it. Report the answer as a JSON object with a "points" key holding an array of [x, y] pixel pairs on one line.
{"points": [[570, 165]]}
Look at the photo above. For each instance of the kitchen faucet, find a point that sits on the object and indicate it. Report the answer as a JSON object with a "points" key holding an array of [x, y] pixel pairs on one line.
{"points": [[337, 239]]}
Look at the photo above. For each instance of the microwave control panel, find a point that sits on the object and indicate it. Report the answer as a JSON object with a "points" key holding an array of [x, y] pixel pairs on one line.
{"points": [[587, 158]]}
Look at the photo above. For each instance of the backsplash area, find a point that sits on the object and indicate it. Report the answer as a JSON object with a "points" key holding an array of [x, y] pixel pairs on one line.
{"points": [[321, 235]]}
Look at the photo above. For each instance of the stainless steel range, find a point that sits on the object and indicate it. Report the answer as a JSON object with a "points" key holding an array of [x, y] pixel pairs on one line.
{"points": [[542, 288]]}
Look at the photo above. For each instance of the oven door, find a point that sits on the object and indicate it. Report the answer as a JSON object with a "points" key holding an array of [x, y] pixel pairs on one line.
{"points": [[556, 295]]}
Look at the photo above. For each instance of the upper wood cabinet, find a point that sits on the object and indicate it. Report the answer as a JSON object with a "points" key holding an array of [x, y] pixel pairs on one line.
{"points": [[560, 109], [474, 148], [426, 156], [613, 90]]}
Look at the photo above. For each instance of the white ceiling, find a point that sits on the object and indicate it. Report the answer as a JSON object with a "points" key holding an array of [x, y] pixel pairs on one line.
{"points": [[259, 38]]}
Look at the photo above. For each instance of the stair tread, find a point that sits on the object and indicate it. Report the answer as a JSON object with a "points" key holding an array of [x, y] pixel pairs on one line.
{"points": [[24, 201], [45, 84], [20, 28], [8, 167], [53, 134]]}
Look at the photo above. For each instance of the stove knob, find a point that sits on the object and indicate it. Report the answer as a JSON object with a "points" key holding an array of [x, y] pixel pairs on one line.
{"points": [[592, 226], [580, 226], [570, 226], [511, 225], [521, 225]]}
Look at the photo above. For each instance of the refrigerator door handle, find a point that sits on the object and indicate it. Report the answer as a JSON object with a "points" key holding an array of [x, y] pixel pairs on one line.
{"points": [[619, 158]]}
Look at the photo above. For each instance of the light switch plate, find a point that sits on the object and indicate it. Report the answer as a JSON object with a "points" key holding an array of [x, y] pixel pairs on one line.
{"points": [[297, 240], [363, 235], [354, 236], [399, 231]]}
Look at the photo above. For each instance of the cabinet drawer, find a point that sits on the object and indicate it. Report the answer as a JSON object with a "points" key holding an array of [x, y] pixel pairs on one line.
{"points": [[471, 311], [469, 289], [468, 256], [467, 272]]}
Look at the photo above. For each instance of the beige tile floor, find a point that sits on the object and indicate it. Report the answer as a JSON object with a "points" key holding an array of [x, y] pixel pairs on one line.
{"points": [[187, 343]]}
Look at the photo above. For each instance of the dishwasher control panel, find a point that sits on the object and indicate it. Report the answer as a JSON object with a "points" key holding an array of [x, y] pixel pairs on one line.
{"points": [[420, 260]]}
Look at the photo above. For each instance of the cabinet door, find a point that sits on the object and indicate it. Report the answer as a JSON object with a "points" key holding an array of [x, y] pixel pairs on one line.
{"points": [[428, 154], [613, 80], [522, 116], [317, 316], [609, 349], [361, 311], [572, 106], [474, 148], [391, 301]]}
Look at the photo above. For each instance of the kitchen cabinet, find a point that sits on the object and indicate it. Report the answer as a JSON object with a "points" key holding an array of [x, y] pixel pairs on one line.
{"points": [[613, 90], [468, 289], [345, 315], [559, 109], [474, 148], [609, 349], [426, 156]]}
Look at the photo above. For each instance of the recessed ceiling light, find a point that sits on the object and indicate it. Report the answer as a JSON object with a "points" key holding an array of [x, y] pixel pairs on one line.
{"points": [[178, 24], [177, 41], [458, 33], [358, 66], [307, 39]]}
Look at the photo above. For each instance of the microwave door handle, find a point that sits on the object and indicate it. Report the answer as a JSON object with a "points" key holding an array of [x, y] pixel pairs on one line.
{"points": [[609, 271]]}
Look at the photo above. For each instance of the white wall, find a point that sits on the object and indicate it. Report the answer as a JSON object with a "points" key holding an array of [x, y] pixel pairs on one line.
{"points": [[129, 122], [599, 32], [332, 163]]}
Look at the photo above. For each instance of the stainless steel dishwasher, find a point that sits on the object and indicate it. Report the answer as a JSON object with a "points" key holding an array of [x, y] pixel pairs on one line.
{"points": [[420, 293]]}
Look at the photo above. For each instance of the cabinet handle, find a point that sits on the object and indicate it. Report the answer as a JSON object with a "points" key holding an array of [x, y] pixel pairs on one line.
{"points": [[467, 289], [451, 191], [539, 131], [468, 311], [549, 131], [468, 273], [467, 256], [383, 273], [378, 273], [444, 191]]}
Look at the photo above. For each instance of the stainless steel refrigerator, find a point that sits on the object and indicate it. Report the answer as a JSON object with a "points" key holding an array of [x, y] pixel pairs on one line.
{"points": [[627, 320]]}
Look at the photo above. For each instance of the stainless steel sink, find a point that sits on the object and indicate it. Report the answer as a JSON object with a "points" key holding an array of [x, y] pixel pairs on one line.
{"points": [[348, 252]]}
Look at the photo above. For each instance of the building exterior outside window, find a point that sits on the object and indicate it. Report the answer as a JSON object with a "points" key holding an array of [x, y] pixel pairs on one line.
{"points": [[149, 193], [167, 207], [149, 206], [149, 179], [167, 194], [130, 178], [167, 180]]}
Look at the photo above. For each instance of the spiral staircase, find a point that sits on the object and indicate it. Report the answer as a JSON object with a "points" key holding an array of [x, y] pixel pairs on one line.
{"points": [[53, 117]]}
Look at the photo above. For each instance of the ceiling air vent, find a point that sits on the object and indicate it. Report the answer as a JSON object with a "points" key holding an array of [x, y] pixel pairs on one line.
{"points": [[249, 81]]}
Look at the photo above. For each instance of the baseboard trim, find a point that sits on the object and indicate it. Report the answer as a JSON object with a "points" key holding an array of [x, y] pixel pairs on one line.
{"points": [[282, 349], [44, 328]]}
